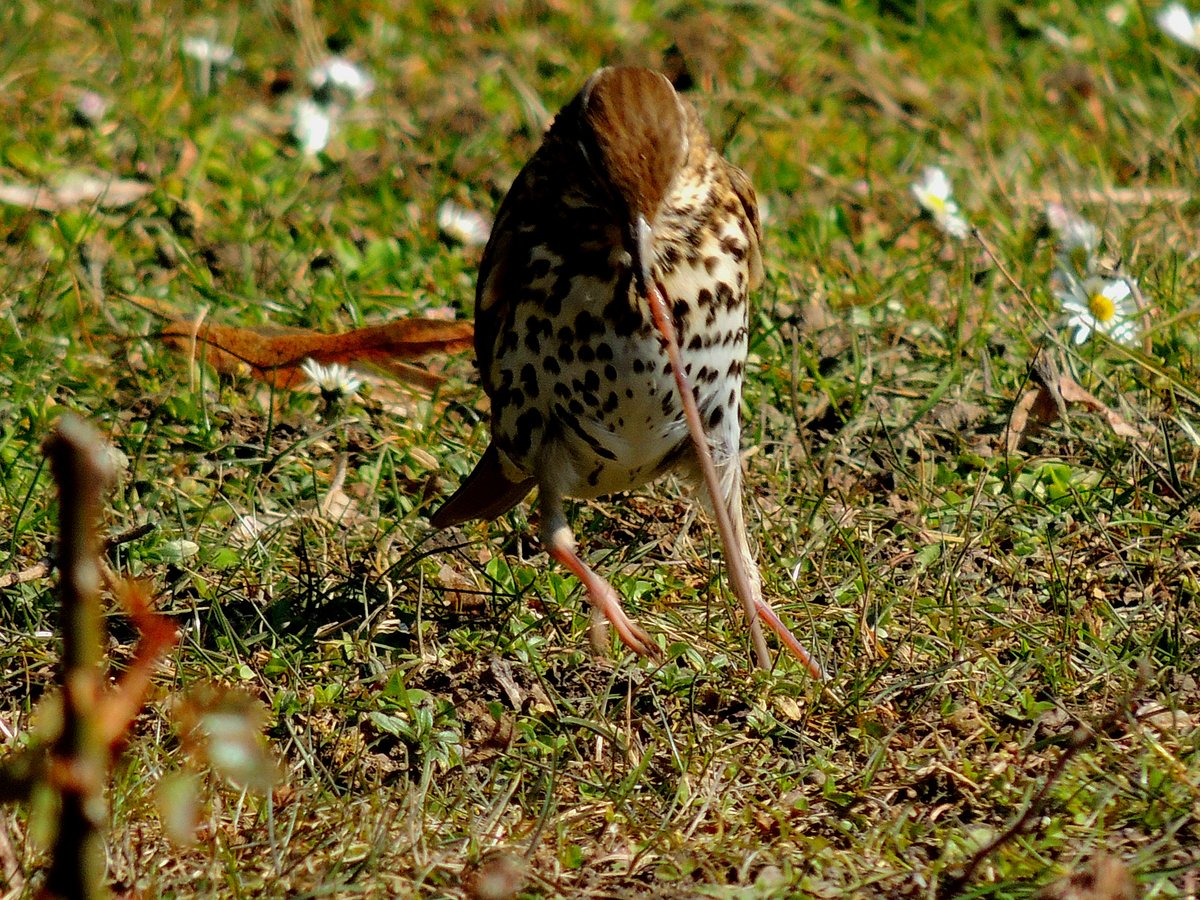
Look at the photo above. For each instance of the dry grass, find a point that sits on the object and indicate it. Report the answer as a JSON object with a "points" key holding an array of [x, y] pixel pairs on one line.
{"points": [[431, 697]]}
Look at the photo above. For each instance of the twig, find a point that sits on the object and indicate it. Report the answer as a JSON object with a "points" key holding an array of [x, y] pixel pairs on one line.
{"points": [[1081, 738], [80, 756], [46, 566]]}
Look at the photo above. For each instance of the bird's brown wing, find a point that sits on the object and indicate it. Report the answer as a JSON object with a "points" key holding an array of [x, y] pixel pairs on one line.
{"points": [[488, 491], [741, 185], [505, 258]]}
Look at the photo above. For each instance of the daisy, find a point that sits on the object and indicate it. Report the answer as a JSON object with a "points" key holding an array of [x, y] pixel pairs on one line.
{"points": [[1098, 305], [209, 60], [206, 51], [463, 225], [335, 381], [1178, 22], [341, 75], [1078, 239], [933, 192], [312, 126]]}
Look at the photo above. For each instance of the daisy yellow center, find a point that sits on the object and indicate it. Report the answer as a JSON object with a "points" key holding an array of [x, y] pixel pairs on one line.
{"points": [[936, 204], [1101, 307]]}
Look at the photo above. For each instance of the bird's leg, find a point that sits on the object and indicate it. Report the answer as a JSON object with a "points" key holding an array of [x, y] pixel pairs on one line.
{"points": [[560, 543], [733, 538], [731, 484]]}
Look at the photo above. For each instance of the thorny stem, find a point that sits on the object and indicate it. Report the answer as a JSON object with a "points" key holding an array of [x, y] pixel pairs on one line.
{"points": [[80, 757], [1081, 738]]}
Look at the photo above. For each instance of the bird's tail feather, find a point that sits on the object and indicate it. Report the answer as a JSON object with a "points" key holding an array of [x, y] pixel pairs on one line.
{"points": [[487, 493]]}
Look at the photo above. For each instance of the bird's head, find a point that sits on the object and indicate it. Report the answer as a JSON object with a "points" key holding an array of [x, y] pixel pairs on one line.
{"points": [[633, 134]]}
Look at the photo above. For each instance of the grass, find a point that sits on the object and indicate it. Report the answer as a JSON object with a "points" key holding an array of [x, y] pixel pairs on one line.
{"points": [[431, 698]]}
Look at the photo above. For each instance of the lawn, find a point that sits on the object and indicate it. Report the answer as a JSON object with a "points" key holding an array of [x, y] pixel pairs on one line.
{"points": [[1005, 597]]}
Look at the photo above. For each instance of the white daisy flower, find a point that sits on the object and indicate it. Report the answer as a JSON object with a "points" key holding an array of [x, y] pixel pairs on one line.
{"points": [[206, 51], [1177, 21], [1098, 305], [463, 225], [312, 126], [209, 60], [1078, 239], [335, 381], [91, 108], [339, 74], [935, 195]]}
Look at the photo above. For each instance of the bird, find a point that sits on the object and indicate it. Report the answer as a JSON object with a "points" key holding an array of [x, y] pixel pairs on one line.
{"points": [[625, 204]]}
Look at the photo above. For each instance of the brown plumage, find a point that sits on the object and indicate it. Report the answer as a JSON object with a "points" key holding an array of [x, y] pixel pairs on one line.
{"points": [[625, 200]]}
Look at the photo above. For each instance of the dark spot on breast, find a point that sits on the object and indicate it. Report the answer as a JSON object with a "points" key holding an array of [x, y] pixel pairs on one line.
{"points": [[695, 343], [710, 264], [588, 326], [575, 406], [604, 352], [591, 380], [725, 296], [587, 354], [734, 248], [715, 417], [532, 343], [550, 364], [540, 268], [528, 423], [565, 353], [562, 391], [638, 366], [610, 403], [610, 372]]}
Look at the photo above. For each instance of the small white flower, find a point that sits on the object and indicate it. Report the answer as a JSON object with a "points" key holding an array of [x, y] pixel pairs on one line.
{"points": [[206, 51], [463, 225], [335, 381], [312, 126], [90, 108], [933, 192], [209, 62], [339, 74], [1078, 239], [1177, 21], [1097, 305]]}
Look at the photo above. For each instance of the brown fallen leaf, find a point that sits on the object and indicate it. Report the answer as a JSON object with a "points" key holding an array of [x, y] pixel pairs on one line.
{"points": [[1049, 401], [75, 189], [274, 355], [1103, 877]]}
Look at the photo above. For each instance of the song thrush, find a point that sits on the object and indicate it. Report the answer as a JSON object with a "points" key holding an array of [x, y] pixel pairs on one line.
{"points": [[626, 203]]}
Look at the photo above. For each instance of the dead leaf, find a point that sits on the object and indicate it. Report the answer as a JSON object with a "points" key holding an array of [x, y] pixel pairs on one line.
{"points": [[75, 189], [1103, 877], [336, 505], [274, 355], [462, 593], [1049, 402], [1071, 392]]}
